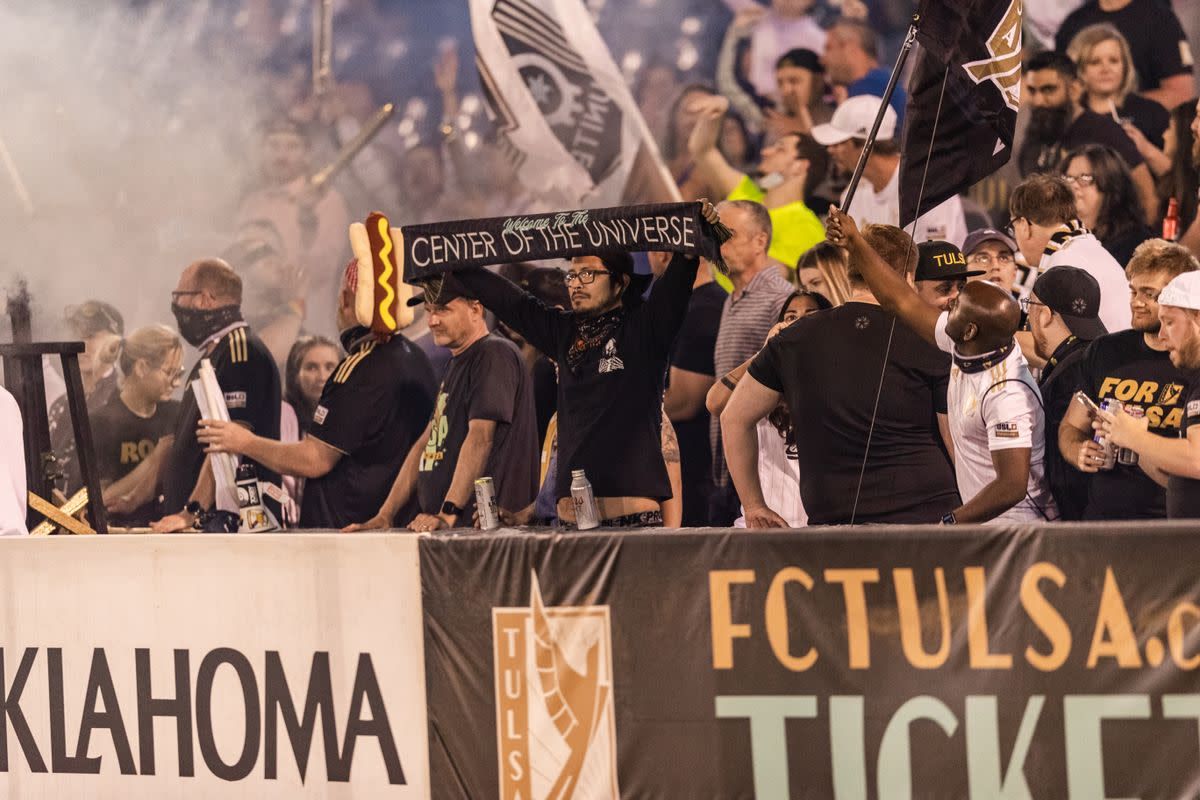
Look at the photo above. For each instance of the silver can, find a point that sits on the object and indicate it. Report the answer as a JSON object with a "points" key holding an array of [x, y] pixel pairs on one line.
{"points": [[485, 502], [1125, 456], [587, 513], [1110, 450]]}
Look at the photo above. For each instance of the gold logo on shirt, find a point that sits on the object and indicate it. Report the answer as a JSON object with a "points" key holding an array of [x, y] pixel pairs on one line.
{"points": [[1004, 67]]}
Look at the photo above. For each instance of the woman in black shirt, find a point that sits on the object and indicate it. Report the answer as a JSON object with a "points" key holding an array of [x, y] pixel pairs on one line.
{"points": [[1105, 65], [1104, 194]]}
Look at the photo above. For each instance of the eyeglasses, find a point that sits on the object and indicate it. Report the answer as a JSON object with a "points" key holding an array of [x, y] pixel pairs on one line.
{"points": [[1084, 180], [174, 375], [985, 259], [1026, 302], [1011, 230], [584, 276]]}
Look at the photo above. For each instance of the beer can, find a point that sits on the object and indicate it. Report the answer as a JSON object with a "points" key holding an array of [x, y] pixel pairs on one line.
{"points": [[1110, 450], [587, 513], [485, 502], [1125, 456]]}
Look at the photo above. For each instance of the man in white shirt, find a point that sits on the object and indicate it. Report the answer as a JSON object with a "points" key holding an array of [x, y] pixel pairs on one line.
{"points": [[12, 468], [1042, 209], [877, 199], [995, 410]]}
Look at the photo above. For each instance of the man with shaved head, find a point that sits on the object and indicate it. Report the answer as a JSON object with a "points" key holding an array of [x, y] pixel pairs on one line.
{"points": [[207, 304], [995, 409]]}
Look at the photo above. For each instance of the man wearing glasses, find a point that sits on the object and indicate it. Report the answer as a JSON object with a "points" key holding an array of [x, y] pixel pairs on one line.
{"points": [[207, 304], [993, 254], [612, 351], [1132, 366]]}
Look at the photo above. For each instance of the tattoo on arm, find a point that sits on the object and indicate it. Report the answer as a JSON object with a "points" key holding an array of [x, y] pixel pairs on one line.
{"points": [[670, 442]]}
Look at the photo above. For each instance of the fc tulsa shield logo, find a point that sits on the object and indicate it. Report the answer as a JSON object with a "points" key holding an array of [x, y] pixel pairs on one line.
{"points": [[555, 727]]}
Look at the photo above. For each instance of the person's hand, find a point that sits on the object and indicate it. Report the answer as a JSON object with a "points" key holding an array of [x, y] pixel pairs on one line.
{"points": [[445, 71], [749, 17], [840, 228], [763, 518], [1088, 458], [1138, 138], [710, 107], [508, 519], [854, 9], [425, 523], [120, 504], [777, 328], [222, 437], [379, 522], [709, 212], [173, 523], [840, 94], [1120, 429]]}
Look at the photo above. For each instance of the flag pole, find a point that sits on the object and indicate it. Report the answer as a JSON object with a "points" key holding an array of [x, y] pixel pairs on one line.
{"points": [[902, 57]]}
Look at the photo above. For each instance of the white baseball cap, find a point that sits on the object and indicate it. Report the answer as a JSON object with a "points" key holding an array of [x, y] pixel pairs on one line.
{"points": [[853, 120], [1182, 292]]}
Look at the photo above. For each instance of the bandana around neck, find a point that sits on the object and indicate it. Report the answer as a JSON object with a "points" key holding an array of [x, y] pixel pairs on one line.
{"points": [[591, 333]]}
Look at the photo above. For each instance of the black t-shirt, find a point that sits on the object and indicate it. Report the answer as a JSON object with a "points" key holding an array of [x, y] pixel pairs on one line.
{"points": [[372, 409], [1058, 383], [1123, 367], [1156, 38], [694, 352], [610, 392], [1148, 117], [1183, 494], [545, 394], [1088, 128], [487, 381], [249, 380], [1121, 246], [123, 440], [826, 366]]}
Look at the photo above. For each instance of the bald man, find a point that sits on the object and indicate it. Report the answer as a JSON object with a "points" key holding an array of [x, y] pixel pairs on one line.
{"points": [[995, 409]]}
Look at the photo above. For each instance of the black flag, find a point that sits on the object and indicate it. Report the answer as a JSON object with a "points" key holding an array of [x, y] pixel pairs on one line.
{"points": [[973, 49]]}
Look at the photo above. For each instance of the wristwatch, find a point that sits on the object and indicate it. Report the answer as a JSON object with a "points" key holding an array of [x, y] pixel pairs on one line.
{"points": [[451, 510], [949, 519], [194, 508]]}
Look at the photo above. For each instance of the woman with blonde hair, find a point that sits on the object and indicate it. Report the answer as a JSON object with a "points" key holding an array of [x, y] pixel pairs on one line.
{"points": [[824, 270], [135, 429], [1105, 63]]}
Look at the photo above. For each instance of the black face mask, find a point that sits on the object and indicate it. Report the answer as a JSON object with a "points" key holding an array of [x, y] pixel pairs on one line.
{"points": [[197, 324]]}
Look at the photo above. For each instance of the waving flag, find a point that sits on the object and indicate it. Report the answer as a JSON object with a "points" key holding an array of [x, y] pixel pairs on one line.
{"points": [[973, 49], [566, 118]]}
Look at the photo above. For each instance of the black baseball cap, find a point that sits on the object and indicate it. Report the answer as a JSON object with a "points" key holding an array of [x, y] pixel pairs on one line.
{"points": [[938, 261], [1074, 295], [978, 237], [451, 289]]}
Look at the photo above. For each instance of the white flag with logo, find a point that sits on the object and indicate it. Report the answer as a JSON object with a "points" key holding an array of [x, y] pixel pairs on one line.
{"points": [[562, 107]]}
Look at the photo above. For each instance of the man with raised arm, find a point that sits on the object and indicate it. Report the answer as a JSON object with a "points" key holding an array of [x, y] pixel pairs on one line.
{"points": [[995, 409]]}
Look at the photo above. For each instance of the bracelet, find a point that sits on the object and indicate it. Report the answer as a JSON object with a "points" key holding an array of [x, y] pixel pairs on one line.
{"points": [[729, 382]]}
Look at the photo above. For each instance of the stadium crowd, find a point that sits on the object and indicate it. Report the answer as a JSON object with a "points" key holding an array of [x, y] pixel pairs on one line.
{"points": [[1027, 351]]}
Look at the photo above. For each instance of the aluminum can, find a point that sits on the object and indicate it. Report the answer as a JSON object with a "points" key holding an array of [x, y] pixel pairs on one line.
{"points": [[485, 502], [1110, 450], [1125, 456], [587, 513]]}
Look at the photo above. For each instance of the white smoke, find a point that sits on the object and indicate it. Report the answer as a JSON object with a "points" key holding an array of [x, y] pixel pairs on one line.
{"points": [[132, 131]]}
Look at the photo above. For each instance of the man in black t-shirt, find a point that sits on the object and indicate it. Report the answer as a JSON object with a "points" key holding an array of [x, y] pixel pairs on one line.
{"points": [[907, 477], [1064, 317], [207, 307], [612, 350], [1174, 463], [370, 412], [692, 373], [483, 424], [1058, 123], [1134, 367], [1162, 57]]}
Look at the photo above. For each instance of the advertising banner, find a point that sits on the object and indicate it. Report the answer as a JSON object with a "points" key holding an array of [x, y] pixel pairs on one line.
{"points": [[863, 663], [212, 666]]}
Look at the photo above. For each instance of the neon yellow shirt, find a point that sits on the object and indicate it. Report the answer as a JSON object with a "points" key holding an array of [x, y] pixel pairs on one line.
{"points": [[796, 227]]}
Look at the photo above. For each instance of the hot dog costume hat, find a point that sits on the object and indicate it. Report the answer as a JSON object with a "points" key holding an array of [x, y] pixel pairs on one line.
{"points": [[380, 293]]}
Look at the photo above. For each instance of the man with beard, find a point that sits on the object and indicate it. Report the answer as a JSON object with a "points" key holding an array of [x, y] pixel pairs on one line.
{"points": [[207, 307], [786, 170], [1059, 123], [1135, 367], [1174, 463], [877, 201], [1064, 317], [612, 350]]}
